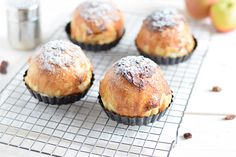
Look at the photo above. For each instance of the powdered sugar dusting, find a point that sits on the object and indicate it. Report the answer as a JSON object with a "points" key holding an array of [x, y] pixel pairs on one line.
{"points": [[99, 11], [163, 18], [135, 69], [58, 53]]}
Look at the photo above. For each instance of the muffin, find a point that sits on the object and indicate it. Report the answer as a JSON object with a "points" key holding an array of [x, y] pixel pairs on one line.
{"points": [[96, 25], [165, 37], [134, 91], [59, 74]]}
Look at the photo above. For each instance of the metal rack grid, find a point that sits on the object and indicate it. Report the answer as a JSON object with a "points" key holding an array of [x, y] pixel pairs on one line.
{"points": [[82, 128]]}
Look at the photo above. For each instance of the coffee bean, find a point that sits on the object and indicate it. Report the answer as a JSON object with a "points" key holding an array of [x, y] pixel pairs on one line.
{"points": [[187, 135], [3, 67], [229, 117], [216, 89]]}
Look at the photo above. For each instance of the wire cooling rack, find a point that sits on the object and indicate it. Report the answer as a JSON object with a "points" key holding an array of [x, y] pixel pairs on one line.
{"points": [[82, 128]]}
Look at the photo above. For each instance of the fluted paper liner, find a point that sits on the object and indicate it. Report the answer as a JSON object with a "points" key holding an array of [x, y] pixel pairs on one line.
{"points": [[133, 120], [168, 60], [57, 100], [92, 47]]}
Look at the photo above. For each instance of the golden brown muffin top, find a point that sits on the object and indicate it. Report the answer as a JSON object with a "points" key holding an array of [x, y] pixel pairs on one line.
{"points": [[100, 12], [136, 69], [59, 54], [163, 18], [61, 68], [135, 87]]}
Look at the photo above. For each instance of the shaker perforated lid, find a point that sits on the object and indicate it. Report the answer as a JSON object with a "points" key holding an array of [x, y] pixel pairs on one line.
{"points": [[23, 10]]}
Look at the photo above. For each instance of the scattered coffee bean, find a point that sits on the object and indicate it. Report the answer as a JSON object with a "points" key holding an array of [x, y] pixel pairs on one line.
{"points": [[187, 135], [3, 67], [216, 89], [230, 117]]}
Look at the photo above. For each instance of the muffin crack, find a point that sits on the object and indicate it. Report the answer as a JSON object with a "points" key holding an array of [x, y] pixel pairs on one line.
{"points": [[136, 70], [163, 18]]}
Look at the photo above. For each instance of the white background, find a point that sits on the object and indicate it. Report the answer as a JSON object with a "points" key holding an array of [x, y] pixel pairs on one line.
{"points": [[212, 136]]}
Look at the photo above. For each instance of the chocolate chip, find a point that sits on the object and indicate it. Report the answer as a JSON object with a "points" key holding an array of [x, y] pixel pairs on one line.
{"points": [[216, 89], [187, 135], [3, 67], [229, 117]]}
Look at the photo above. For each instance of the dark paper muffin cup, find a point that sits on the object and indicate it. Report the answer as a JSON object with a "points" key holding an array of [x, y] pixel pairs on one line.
{"points": [[92, 47], [168, 60], [133, 120], [57, 100]]}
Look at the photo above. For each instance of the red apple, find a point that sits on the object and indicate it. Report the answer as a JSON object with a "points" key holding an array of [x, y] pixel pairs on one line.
{"points": [[199, 9]]}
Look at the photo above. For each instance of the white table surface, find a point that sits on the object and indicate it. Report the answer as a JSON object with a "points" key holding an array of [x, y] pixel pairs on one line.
{"points": [[212, 136]]}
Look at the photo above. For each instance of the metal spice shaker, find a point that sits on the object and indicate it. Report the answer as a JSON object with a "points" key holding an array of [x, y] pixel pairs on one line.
{"points": [[23, 22]]}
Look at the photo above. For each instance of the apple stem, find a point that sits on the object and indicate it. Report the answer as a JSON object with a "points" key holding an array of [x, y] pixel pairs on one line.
{"points": [[230, 5]]}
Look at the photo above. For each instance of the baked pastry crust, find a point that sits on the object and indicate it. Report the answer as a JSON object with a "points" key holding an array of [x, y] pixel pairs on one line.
{"points": [[97, 22], [60, 69], [165, 33], [135, 87]]}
